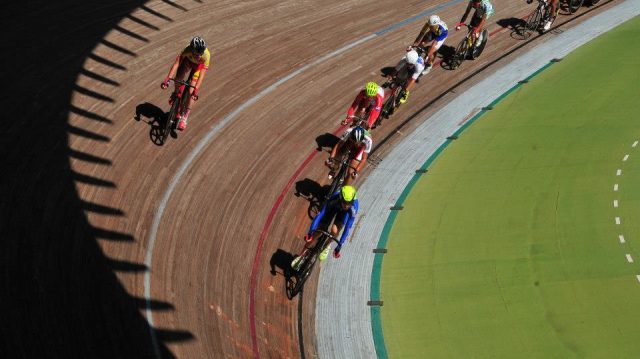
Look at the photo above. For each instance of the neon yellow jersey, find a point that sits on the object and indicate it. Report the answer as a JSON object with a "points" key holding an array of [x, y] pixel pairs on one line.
{"points": [[202, 60]]}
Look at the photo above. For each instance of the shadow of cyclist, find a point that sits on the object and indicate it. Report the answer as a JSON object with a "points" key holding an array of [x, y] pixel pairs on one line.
{"points": [[446, 52], [155, 117], [326, 140], [281, 264], [516, 25], [313, 192]]}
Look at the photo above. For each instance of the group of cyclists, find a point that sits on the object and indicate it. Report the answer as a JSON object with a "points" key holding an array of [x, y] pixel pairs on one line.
{"points": [[340, 209]]}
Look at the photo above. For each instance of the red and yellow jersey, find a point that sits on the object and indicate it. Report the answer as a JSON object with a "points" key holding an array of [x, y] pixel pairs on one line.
{"points": [[202, 60]]}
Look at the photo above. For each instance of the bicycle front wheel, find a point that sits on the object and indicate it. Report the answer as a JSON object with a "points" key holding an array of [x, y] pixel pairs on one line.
{"points": [[460, 54], [534, 21], [311, 257]]}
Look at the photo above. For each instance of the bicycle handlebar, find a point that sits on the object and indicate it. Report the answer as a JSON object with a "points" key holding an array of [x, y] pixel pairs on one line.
{"points": [[331, 236], [181, 82]]}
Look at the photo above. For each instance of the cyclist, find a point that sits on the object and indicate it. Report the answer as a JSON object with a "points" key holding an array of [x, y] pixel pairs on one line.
{"points": [[194, 58], [407, 72], [552, 14], [432, 35], [484, 10], [369, 99], [358, 140], [341, 208]]}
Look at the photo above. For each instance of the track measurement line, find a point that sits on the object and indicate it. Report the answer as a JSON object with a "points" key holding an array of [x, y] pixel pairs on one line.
{"points": [[625, 158], [621, 238], [615, 203], [629, 259], [634, 144], [619, 172], [617, 220], [615, 187]]}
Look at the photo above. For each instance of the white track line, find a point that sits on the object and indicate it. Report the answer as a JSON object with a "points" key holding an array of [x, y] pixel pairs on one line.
{"points": [[634, 144], [626, 157], [638, 277], [619, 172], [617, 220], [615, 203], [615, 187], [621, 238], [629, 259]]}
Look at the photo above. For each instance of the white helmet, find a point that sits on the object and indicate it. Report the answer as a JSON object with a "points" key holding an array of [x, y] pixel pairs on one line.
{"points": [[412, 57], [434, 20]]}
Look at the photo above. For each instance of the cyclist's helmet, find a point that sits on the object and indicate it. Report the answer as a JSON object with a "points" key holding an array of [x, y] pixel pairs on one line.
{"points": [[371, 89], [357, 134], [348, 194], [434, 20], [412, 57], [198, 45]]}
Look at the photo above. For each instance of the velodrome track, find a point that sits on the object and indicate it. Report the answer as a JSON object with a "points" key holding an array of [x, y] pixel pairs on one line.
{"points": [[84, 184]]}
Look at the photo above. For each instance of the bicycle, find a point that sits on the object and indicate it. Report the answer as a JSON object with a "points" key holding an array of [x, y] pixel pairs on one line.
{"points": [[179, 102], [467, 48], [537, 18], [394, 91], [339, 176], [309, 259], [360, 120]]}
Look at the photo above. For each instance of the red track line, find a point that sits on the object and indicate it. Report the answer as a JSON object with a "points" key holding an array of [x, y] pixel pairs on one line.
{"points": [[263, 236]]}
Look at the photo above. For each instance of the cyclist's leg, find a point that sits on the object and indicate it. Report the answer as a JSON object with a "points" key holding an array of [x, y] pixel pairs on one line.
{"points": [[434, 49], [354, 163], [193, 77]]}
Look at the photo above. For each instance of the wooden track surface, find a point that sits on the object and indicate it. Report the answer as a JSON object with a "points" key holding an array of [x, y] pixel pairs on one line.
{"points": [[83, 179]]}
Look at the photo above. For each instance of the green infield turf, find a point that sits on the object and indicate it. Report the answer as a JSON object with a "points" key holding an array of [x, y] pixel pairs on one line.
{"points": [[508, 247]]}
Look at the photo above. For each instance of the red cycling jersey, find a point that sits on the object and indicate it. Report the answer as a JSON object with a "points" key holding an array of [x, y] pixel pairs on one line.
{"points": [[373, 104]]}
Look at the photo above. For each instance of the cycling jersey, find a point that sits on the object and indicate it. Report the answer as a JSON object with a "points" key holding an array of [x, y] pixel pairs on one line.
{"points": [[402, 69], [441, 32], [374, 104], [332, 208], [358, 150], [485, 7], [203, 61]]}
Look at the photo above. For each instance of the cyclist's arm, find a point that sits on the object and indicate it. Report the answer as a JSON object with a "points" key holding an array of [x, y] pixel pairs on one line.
{"points": [[203, 72], [316, 221], [334, 150], [375, 111], [203, 67], [354, 105], [421, 35], [466, 13], [363, 161], [174, 67], [482, 21], [351, 217]]}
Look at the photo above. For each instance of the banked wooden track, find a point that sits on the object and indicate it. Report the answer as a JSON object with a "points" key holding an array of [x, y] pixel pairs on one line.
{"points": [[82, 178]]}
